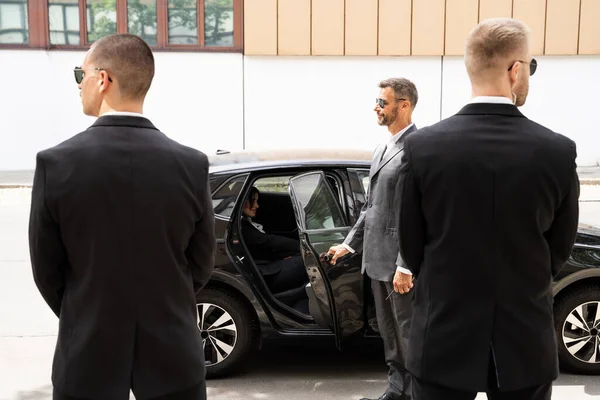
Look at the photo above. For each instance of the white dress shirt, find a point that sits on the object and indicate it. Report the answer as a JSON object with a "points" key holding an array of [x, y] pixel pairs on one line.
{"points": [[254, 224], [491, 99], [123, 113]]}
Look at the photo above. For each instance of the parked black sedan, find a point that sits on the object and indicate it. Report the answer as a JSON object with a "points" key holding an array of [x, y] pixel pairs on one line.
{"points": [[315, 196]]}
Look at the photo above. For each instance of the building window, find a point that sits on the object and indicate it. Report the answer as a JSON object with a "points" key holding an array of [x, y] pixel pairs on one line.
{"points": [[141, 20], [218, 23], [14, 27], [63, 22], [101, 17], [194, 25], [183, 22]]}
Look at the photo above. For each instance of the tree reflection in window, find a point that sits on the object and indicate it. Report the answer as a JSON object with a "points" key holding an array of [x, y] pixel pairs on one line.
{"points": [[141, 20], [101, 19], [183, 22], [218, 23]]}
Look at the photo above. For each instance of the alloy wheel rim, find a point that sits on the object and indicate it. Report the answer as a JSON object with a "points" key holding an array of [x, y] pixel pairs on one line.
{"points": [[581, 332], [218, 331]]}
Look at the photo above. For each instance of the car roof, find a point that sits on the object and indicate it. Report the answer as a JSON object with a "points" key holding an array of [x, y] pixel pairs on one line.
{"points": [[287, 158]]}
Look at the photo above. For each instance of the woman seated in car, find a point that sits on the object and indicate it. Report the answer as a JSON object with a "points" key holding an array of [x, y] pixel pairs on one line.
{"points": [[277, 257]]}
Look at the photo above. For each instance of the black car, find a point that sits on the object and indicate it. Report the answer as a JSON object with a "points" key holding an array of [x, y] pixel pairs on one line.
{"points": [[316, 196]]}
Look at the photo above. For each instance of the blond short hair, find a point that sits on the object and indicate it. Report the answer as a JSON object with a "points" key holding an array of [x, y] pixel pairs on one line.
{"points": [[491, 45]]}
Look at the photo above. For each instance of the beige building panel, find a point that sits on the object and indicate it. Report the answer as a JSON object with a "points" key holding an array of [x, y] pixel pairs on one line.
{"points": [[395, 26], [562, 27], [589, 28], [495, 9], [461, 17], [260, 27], [361, 28], [428, 27], [327, 27], [293, 27], [533, 14]]}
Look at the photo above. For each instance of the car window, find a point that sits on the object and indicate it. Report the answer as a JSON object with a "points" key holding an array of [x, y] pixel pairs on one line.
{"points": [[273, 184], [320, 209], [363, 176], [225, 197]]}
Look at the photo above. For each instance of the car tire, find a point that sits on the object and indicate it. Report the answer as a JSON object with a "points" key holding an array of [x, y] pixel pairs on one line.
{"points": [[227, 329], [576, 353]]}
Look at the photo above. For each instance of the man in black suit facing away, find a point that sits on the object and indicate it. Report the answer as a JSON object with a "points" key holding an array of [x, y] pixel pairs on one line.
{"points": [[121, 236], [489, 214]]}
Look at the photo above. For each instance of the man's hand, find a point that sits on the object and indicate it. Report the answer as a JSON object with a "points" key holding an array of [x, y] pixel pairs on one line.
{"points": [[337, 252], [402, 282]]}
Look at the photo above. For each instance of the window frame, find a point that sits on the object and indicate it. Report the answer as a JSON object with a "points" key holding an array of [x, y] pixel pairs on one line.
{"points": [[39, 29]]}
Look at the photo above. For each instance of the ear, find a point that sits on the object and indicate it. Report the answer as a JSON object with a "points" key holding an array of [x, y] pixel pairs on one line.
{"points": [[514, 72], [103, 81]]}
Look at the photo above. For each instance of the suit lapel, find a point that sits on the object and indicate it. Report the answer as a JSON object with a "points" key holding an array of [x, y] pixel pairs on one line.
{"points": [[391, 153]]}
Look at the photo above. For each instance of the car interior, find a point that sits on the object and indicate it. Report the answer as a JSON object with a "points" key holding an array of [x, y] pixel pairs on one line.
{"points": [[276, 215]]}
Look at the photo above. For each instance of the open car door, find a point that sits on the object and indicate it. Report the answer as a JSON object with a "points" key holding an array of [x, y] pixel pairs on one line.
{"points": [[335, 292]]}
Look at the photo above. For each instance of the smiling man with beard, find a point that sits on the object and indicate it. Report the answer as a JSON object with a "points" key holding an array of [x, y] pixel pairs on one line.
{"points": [[375, 233]]}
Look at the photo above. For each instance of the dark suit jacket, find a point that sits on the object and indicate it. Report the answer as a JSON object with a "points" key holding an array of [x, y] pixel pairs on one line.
{"points": [[121, 236], [489, 214], [266, 248], [375, 232]]}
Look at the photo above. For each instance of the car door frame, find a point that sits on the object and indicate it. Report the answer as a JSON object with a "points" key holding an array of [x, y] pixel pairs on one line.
{"points": [[326, 288]]}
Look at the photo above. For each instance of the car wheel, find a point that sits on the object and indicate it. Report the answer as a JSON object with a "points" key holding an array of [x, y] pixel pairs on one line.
{"points": [[577, 324], [226, 327]]}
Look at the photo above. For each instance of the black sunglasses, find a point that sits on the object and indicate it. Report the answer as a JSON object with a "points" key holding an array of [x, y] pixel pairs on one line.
{"points": [[79, 74], [532, 65], [382, 103]]}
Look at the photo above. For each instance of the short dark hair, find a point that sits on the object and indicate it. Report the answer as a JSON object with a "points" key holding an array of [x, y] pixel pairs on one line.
{"points": [[128, 59], [403, 88]]}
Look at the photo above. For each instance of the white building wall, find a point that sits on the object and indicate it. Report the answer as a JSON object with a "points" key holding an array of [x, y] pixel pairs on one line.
{"points": [[327, 101], [195, 98], [564, 95], [229, 101]]}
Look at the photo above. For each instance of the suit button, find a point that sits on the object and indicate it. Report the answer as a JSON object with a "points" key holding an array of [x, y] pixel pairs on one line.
{"points": [[370, 205]]}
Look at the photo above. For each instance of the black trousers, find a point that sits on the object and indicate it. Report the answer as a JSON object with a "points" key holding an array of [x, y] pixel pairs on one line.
{"points": [[197, 392], [428, 391], [394, 312], [292, 275]]}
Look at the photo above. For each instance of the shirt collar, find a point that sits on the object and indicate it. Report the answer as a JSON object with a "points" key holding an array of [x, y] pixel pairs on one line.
{"points": [[491, 99], [123, 113], [399, 134]]}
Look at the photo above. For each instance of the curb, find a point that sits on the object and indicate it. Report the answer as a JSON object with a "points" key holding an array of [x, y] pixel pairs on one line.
{"points": [[15, 185]]}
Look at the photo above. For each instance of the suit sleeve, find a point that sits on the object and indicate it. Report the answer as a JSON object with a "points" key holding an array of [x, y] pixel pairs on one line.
{"points": [[355, 237], [278, 246], [563, 231], [202, 246], [411, 224], [46, 249]]}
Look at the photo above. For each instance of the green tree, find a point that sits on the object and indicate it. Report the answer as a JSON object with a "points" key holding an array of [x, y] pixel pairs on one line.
{"points": [[216, 13], [102, 19]]}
